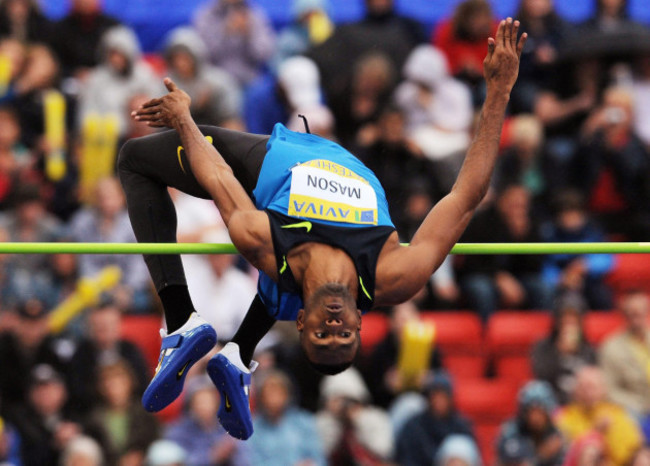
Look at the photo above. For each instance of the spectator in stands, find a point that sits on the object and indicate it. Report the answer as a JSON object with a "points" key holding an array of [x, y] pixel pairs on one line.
{"points": [[612, 166], [422, 436], [238, 35], [27, 345], [107, 221], [128, 429], [23, 20], [45, 426], [14, 156], [522, 161], [222, 291], [310, 26], [9, 444], [581, 273], [272, 99], [283, 434], [103, 344], [82, 450], [641, 99], [589, 413], [216, 97], [382, 32], [624, 357], [62, 275], [78, 34], [394, 159], [383, 376], [562, 105], [534, 425], [39, 75], [462, 39], [512, 281], [121, 74], [557, 358], [547, 34], [458, 450], [352, 430], [358, 106], [438, 111], [198, 431], [610, 17], [165, 453]]}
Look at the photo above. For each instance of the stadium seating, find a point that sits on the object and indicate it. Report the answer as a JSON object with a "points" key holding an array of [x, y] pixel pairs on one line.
{"points": [[630, 271], [513, 333], [374, 327], [600, 325], [143, 331]]}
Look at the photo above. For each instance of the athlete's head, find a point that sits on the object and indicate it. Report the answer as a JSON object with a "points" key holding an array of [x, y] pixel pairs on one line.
{"points": [[329, 328]]}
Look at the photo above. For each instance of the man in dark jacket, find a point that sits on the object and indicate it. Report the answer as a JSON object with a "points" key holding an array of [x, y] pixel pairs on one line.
{"points": [[419, 439]]}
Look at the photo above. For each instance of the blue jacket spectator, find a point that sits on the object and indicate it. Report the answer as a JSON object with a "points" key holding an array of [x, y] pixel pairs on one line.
{"points": [[238, 35], [199, 433], [283, 434], [583, 273]]}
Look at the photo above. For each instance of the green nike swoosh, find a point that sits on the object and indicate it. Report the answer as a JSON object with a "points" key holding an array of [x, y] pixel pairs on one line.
{"points": [[180, 373], [306, 225]]}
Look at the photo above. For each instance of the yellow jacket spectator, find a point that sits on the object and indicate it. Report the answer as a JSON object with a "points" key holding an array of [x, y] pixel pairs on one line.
{"points": [[589, 413]]}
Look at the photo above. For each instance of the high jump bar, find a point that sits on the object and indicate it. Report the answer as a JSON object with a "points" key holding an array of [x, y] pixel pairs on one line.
{"points": [[226, 248]]}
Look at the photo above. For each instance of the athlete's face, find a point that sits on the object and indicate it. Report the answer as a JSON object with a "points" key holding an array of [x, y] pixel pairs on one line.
{"points": [[329, 326]]}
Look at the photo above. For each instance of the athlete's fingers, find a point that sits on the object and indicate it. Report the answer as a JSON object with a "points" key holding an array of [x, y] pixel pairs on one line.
{"points": [[151, 103], [150, 117], [501, 32], [148, 110], [490, 47], [522, 42], [515, 34], [507, 38], [170, 85], [156, 124]]}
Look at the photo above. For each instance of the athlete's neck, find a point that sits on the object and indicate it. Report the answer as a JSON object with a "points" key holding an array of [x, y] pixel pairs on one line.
{"points": [[314, 265]]}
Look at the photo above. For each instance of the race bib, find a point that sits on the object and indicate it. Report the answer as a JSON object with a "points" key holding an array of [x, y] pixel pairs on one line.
{"points": [[325, 190]]}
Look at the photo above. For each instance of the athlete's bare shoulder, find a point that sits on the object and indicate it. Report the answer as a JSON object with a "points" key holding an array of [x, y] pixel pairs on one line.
{"points": [[250, 232]]}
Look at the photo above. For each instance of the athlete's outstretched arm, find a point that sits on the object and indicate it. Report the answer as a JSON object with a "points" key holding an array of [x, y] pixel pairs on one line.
{"points": [[247, 226], [408, 268]]}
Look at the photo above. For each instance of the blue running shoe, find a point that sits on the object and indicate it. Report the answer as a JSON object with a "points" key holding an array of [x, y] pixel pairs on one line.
{"points": [[178, 352], [233, 380]]}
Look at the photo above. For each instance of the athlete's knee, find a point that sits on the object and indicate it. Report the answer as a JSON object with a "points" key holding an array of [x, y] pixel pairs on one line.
{"points": [[127, 153]]}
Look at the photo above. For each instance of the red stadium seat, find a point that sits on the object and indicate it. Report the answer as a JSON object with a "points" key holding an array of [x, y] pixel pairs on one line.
{"points": [[457, 333], [486, 400], [486, 437], [144, 332], [630, 271], [514, 333], [464, 366], [516, 368], [600, 325], [374, 327]]}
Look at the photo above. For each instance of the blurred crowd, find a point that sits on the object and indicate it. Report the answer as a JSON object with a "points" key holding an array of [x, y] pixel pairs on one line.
{"points": [[404, 97]]}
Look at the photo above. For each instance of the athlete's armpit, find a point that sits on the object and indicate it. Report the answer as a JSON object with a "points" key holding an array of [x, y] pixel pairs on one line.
{"points": [[250, 232]]}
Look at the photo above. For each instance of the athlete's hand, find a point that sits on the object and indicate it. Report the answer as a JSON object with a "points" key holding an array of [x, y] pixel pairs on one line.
{"points": [[501, 65], [165, 111]]}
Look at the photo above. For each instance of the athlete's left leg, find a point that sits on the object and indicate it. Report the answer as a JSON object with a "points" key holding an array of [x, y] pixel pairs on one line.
{"points": [[147, 166]]}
